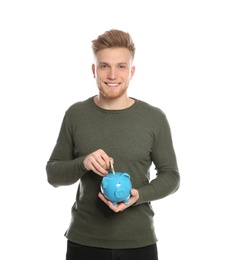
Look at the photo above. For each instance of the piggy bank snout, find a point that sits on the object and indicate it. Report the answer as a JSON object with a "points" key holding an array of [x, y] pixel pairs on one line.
{"points": [[121, 193]]}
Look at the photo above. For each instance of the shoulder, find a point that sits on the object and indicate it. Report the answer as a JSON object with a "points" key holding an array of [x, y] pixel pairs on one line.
{"points": [[79, 104], [154, 116], [150, 110], [79, 107], [78, 111]]}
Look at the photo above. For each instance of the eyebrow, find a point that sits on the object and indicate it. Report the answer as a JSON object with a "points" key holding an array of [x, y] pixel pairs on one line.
{"points": [[119, 63]]}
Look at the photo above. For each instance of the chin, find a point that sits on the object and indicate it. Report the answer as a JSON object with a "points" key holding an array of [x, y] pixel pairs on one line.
{"points": [[114, 94]]}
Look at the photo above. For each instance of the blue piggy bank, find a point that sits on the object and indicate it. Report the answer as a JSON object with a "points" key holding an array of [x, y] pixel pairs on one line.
{"points": [[116, 187]]}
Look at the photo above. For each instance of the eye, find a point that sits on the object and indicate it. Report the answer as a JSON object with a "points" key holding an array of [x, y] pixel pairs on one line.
{"points": [[103, 66], [122, 66]]}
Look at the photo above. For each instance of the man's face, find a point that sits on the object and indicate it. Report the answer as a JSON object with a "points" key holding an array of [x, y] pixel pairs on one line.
{"points": [[113, 71]]}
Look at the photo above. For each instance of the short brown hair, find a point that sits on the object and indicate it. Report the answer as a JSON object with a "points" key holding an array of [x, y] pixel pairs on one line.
{"points": [[113, 39]]}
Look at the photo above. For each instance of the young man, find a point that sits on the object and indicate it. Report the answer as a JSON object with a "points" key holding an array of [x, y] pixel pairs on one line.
{"points": [[111, 126]]}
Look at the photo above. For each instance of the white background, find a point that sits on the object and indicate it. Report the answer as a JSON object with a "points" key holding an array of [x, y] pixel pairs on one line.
{"points": [[181, 67]]}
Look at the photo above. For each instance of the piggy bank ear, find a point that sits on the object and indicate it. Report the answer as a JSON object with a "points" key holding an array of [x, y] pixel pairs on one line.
{"points": [[126, 175], [105, 181]]}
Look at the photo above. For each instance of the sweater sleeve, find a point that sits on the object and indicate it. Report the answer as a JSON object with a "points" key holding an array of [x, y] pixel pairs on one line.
{"points": [[163, 156], [63, 167]]}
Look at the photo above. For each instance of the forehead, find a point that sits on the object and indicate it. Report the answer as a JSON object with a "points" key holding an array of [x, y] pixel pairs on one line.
{"points": [[113, 55]]}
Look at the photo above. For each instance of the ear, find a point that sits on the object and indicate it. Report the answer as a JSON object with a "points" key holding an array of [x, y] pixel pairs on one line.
{"points": [[132, 71], [93, 70]]}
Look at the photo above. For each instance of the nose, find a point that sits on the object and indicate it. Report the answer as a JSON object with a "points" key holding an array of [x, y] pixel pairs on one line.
{"points": [[112, 73]]}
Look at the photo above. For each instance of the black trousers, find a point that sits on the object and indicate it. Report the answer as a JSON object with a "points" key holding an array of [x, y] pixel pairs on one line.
{"points": [[80, 252]]}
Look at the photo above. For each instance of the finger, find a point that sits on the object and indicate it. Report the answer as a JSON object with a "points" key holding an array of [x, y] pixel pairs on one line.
{"points": [[101, 196], [91, 167], [105, 158], [117, 208], [98, 172], [111, 161], [98, 168], [134, 195], [108, 202]]}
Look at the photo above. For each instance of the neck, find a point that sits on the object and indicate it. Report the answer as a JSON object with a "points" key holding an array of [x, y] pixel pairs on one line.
{"points": [[115, 103]]}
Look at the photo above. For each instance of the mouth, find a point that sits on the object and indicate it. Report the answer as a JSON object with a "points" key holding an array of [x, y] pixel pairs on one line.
{"points": [[112, 85]]}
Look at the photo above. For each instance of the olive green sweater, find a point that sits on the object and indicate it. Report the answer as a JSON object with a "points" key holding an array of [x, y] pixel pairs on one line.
{"points": [[136, 138]]}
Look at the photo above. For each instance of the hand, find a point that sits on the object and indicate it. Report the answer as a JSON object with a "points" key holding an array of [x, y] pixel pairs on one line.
{"points": [[98, 162], [121, 206]]}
